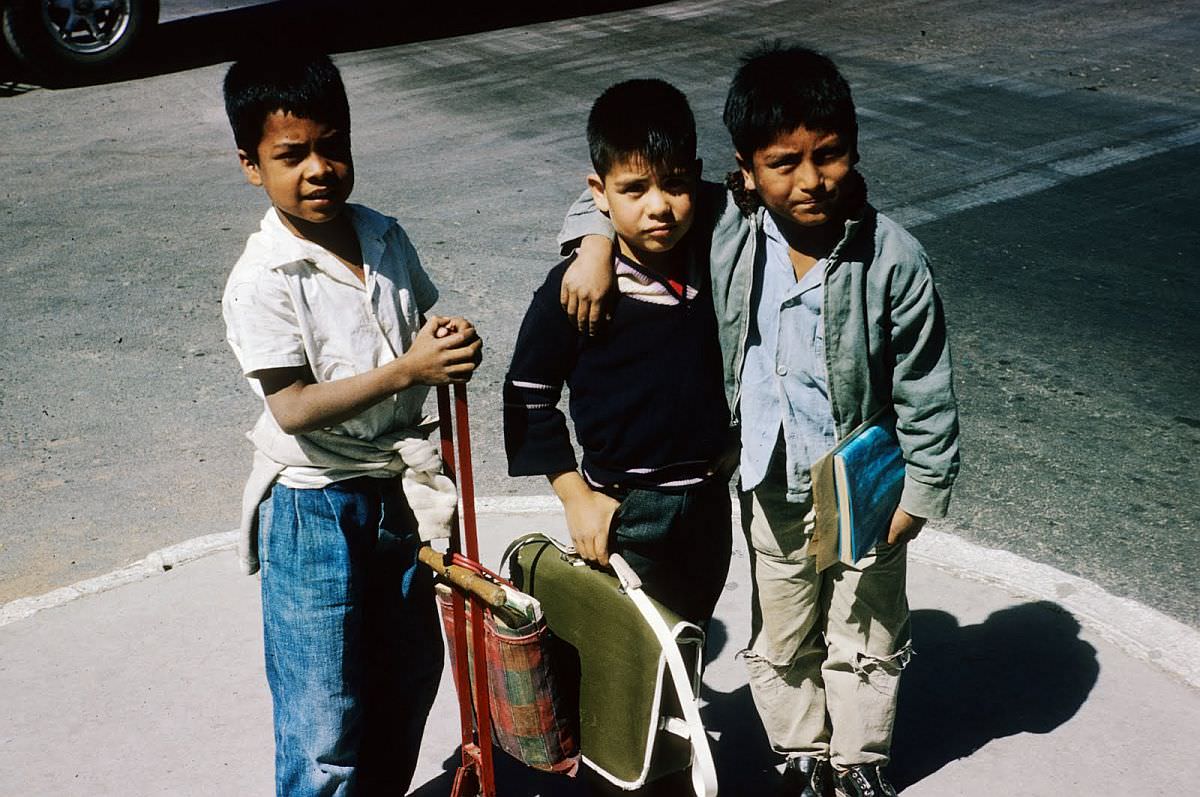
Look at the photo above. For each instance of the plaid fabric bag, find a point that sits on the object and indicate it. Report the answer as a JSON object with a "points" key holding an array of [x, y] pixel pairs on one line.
{"points": [[532, 719]]}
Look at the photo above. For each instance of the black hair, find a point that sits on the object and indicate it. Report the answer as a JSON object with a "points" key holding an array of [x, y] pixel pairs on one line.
{"points": [[648, 119], [780, 87], [307, 86]]}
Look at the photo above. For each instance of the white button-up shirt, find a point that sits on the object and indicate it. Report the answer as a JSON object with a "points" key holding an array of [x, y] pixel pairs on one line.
{"points": [[289, 302]]}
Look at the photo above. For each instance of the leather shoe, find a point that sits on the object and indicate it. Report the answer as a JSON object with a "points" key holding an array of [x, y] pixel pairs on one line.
{"points": [[806, 776], [863, 781]]}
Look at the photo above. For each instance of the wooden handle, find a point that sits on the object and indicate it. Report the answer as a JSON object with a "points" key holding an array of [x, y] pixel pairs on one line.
{"points": [[461, 577]]}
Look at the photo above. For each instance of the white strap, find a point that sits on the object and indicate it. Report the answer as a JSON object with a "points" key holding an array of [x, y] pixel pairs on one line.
{"points": [[704, 771]]}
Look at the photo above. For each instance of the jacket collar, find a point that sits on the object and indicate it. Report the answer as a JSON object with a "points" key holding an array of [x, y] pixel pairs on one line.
{"points": [[850, 228]]}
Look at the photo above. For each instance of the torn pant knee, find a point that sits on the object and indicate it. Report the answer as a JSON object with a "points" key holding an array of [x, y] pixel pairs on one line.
{"points": [[790, 699], [864, 664]]}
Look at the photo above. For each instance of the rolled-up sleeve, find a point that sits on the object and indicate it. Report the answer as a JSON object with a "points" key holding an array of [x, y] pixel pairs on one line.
{"points": [[583, 218]]}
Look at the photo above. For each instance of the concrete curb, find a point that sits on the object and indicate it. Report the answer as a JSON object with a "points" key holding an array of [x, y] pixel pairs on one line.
{"points": [[159, 561], [1143, 633], [1139, 631]]}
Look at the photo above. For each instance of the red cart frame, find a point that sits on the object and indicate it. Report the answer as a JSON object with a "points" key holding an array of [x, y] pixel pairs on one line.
{"points": [[475, 776]]}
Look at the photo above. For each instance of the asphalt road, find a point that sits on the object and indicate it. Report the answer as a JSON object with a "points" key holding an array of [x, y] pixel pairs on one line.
{"points": [[1046, 153]]}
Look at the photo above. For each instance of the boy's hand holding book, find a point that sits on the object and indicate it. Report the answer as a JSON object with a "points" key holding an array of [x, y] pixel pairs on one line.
{"points": [[857, 488], [905, 527]]}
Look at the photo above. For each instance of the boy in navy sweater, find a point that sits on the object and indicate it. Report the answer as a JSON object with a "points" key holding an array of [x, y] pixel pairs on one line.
{"points": [[647, 400]]}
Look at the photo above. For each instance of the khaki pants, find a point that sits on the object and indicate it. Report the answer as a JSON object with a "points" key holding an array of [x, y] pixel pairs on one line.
{"points": [[826, 649]]}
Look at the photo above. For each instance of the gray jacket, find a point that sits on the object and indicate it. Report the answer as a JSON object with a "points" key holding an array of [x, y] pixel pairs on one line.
{"points": [[885, 332]]}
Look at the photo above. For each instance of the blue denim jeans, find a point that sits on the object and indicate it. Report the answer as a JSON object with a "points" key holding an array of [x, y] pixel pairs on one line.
{"points": [[679, 544], [351, 637]]}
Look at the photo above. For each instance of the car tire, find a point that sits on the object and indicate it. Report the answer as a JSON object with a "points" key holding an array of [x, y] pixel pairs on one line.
{"points": [[65, 39]]}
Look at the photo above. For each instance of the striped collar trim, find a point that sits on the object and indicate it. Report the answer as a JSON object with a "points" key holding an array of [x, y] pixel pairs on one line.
{"points": [[638, 284]]}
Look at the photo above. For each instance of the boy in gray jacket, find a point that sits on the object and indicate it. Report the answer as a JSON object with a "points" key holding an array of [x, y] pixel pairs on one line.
{"points": [[827, 313]]}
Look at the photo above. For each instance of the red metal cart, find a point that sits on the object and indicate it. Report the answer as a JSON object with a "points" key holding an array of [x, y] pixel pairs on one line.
{"points": [[475, 776]]}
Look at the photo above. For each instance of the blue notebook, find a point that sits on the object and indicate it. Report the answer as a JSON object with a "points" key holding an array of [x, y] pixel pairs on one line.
{"points": [[868, 473]]}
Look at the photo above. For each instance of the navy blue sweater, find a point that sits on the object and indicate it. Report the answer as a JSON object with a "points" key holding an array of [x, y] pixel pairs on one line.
{"points": [[647, 397]]}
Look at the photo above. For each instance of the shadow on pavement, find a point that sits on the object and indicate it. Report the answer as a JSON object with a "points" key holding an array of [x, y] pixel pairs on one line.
{"points": [[745, 762], [1023, 670], [744, 759], [321, 24]]}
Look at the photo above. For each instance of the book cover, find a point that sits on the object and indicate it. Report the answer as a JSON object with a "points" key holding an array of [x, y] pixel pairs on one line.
{"points": [[824, 542], [856, 489]]}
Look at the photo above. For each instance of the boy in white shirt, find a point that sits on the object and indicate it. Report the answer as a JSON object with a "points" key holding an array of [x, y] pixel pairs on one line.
{"points": [[324, 311]]}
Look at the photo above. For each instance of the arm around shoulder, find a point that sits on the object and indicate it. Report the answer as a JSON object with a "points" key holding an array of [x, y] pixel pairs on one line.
{"points": [[583, 219], [589, 283]]}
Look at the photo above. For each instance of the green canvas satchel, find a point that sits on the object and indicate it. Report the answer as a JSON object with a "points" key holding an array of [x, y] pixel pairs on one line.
{"points": [[639, 665]]}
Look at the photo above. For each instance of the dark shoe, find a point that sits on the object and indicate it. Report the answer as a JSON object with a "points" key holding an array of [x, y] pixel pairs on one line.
{"points": [[864, 781], [806, 776]]}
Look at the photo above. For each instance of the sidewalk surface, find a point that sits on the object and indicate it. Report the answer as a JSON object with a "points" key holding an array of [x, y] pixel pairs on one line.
{"points": [[157, 688]]}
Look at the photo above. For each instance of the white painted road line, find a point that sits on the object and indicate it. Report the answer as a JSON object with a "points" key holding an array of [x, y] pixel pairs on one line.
{"points": [[1141, 632], [1038, 176]]}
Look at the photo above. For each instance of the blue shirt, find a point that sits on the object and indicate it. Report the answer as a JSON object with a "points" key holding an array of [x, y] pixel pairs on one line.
{"points": [[784, 388]]}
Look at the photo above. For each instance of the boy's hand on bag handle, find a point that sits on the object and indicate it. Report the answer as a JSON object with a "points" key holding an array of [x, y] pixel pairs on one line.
{"points": [[589, 515], [590, 522], [589, 283], [905, 527], [445, 351]]}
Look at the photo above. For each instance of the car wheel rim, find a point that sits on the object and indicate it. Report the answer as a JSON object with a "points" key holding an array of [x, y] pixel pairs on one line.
{"points": [[86, 26]]}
